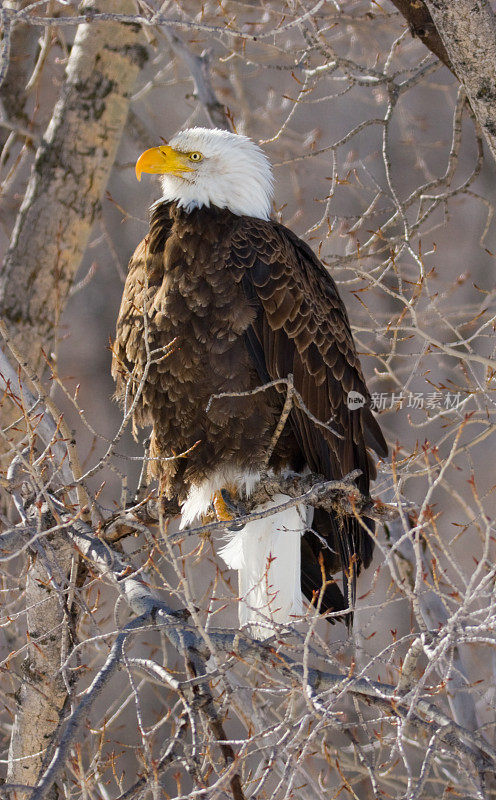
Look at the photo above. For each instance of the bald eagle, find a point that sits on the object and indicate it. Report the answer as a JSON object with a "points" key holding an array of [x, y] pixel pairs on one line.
{"points": [[244, 303]]}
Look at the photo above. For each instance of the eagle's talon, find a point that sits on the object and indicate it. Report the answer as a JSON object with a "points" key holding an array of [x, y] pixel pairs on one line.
{"points": [[222, 509], [227, 509], [237, 509]]}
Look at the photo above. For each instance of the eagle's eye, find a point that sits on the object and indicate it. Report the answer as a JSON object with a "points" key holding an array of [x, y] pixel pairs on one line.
{"points": [[195, 156]]}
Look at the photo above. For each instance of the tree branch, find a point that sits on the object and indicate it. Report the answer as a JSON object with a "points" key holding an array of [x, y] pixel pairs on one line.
{"points": [[199, 67], [422, 26]]}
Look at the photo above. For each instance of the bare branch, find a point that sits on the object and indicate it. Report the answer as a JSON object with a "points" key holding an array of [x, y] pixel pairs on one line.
{"points": [[199, 67], [421, 24]]}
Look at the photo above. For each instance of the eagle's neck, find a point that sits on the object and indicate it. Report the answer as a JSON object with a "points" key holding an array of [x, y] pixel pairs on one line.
{"points": [[244, 190]]}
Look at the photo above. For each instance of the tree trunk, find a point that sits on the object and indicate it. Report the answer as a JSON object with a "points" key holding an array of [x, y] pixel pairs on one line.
{"points": [[51, 232], [43, 692], [468, 31], [68, 179]]}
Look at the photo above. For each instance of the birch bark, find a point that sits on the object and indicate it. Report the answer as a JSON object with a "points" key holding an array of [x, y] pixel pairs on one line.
{"points": [[68, 179], [51, 232], [468, 31], [43, 692]]}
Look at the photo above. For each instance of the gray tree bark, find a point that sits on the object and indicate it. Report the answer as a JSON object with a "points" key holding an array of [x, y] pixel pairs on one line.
{"points": [[421, 25], [68, 179], [468, 31], [52, 228], [18, 67], [43, 692]]}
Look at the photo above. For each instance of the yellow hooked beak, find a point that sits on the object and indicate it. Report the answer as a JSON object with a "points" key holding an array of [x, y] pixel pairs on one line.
{"points": [[162, 160]]}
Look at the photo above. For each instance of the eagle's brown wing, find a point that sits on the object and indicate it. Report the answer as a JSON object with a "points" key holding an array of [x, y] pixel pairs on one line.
{"points": [[144, 277], [302, 328]]}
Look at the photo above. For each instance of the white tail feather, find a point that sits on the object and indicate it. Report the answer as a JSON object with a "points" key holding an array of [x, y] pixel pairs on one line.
{"points": [[266, 554]]}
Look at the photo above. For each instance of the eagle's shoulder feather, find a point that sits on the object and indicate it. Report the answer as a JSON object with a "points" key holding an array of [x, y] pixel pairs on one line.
{"points": [[303, 328]]}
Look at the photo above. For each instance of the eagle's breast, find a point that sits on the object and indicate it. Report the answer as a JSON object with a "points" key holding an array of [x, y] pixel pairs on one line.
{"points": [[193, 301]]}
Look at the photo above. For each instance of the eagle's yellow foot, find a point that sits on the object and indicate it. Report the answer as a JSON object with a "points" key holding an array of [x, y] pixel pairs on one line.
{"points": [[227, 507], [220, 511], [223, 512]]}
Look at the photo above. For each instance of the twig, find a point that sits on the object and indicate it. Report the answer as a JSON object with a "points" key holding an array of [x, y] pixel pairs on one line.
{"points": [[294, 394], [288, 404]]}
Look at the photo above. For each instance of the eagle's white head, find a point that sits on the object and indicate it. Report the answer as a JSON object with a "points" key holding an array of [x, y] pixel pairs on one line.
{"points": [[203, 167]]}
